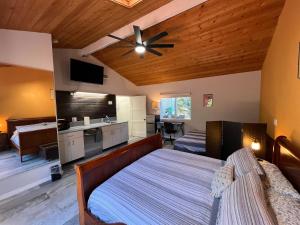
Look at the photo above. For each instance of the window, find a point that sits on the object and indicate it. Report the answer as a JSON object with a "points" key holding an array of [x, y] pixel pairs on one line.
{"points": [[176, 108]]}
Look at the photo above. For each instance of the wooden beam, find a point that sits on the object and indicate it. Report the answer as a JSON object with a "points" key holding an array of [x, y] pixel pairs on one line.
{"points": [[159, 15]]}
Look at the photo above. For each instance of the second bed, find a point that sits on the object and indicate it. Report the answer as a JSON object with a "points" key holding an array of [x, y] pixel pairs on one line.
{"points": [[192, 142]]}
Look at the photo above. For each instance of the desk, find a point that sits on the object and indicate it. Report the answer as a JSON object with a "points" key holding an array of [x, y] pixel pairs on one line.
{"points": [[179, 126]]}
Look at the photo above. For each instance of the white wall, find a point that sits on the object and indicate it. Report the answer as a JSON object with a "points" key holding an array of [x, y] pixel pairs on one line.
{"points": [[115, 84], [28, 49], [236, 97]]}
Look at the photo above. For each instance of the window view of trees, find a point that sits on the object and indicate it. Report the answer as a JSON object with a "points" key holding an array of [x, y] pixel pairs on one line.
{"points": [[176, 108]]}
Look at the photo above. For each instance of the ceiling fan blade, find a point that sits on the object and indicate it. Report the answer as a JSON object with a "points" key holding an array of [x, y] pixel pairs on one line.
{"points": [[120, 39], [138, 35], [153, 51], [119, 46], [161, 46], [128, 52], [155, 38]]}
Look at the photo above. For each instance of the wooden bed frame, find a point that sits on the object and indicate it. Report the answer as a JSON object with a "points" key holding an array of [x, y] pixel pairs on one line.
{"points": [[30, 141], [93, 173], [287, 157]]}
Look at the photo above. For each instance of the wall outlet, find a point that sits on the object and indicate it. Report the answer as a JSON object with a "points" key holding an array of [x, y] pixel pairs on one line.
{"points": [[275, 122], [110, 102]]}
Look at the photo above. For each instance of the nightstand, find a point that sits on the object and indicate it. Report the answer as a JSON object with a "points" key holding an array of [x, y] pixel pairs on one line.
{"points": [[3, 141]]}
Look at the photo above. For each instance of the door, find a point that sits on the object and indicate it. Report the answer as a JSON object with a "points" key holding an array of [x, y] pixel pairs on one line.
{"points": [[138, 111], [124, 111]]}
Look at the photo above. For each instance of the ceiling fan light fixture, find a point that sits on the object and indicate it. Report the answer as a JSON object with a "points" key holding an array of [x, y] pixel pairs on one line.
{"points": [[140, 46], [140, 49]]}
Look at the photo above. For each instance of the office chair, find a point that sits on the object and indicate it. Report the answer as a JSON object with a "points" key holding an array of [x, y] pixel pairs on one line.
{"points": [[169, 129]]}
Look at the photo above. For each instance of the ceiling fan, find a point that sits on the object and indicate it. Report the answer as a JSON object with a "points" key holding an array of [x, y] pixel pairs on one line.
{"points": [[140, 46]]}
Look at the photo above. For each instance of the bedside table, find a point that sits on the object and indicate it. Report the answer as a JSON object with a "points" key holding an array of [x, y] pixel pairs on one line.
{"points": [[3, 141]]}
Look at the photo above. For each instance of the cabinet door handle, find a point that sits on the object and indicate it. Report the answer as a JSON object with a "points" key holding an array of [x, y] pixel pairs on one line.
{"points": [[72, 142]]}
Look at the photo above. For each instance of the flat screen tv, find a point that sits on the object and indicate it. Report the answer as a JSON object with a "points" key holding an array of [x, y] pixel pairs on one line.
{"points": [[86, 72]]}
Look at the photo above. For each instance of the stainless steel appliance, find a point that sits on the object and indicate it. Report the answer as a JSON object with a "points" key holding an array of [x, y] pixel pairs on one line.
{"points": [[150, 123]]}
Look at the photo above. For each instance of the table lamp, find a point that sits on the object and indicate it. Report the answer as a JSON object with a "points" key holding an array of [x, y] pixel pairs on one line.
{"points": [[154, 106], [255, 145]]}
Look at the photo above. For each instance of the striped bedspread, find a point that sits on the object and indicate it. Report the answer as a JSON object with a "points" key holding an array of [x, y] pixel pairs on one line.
{"points": [[193, 142], [164, 187]]}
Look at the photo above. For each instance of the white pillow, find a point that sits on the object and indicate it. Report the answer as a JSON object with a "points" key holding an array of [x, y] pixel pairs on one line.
{"points": [[286, 208], [244, 162], [37, 126], [277, 181], [244, 203], [223, 177]]}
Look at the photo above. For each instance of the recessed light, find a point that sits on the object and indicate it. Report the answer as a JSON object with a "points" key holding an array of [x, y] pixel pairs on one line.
{"points": [[87, 94]]}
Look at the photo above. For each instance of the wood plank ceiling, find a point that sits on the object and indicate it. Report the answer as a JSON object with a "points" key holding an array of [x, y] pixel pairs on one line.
{"points": [[75, 23], [215, 38]]}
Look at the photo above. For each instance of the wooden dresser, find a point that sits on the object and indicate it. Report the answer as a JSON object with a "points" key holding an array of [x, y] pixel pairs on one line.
{"points": [[225, 137]]}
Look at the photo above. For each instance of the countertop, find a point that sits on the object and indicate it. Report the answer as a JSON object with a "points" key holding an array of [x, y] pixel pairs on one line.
{"points": [[91, 126]]}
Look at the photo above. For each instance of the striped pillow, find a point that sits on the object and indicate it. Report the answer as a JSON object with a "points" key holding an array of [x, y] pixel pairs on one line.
{"points": [[244, 203], [244, 162], [223, 177]]}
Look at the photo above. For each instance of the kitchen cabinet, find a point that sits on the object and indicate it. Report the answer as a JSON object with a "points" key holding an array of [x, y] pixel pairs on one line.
{"points": [[124, 132], [114, 134], [71, 146]]}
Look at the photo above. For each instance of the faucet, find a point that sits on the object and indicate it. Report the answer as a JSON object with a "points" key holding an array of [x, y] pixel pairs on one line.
{"points": [[107, 119]]}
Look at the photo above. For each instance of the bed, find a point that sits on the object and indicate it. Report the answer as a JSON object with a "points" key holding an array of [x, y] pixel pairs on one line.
{"points": [[192, 142], [32, 133], [141, 182]]}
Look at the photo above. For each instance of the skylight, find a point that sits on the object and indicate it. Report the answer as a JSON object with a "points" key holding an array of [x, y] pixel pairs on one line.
{"points": [[127, 3]]}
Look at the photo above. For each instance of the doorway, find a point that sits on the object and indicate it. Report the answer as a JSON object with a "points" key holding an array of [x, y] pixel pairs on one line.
{"points": [[133, 110]]}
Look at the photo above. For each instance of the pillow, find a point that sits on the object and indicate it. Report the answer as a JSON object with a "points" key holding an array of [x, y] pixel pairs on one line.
{"points": [[277, 181], [36, 126], [244, 203], [223, 177], [286, 208], [244, 162]]}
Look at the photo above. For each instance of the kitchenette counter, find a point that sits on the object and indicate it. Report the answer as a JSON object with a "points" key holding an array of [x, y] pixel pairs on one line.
{"points": [[91, 126], [82, 141]]}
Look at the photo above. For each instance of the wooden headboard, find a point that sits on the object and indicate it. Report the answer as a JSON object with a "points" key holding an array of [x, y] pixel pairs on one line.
{"points": [[287, 157], [12, 123]]}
